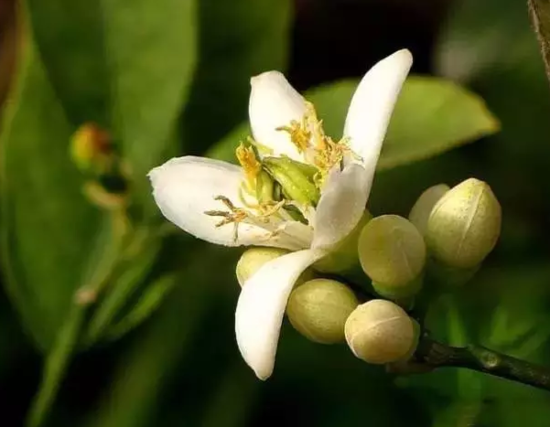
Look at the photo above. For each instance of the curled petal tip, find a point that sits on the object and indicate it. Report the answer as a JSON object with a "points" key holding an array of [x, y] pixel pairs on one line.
{"points": [[266, 76], [405, 54]]}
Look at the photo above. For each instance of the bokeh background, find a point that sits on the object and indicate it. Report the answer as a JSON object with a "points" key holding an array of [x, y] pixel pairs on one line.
{"points": [[181, 366]]}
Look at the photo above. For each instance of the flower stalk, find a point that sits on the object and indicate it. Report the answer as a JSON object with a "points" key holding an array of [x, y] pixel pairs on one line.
{"points": [[433, 354]]}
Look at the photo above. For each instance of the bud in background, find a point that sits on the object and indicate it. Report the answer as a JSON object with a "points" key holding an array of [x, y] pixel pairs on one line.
{"points": [[420, 213], [254, 258], [107, 175], [318, 309], [392, 253], [91, 149], [380, 332], [464, 225]]}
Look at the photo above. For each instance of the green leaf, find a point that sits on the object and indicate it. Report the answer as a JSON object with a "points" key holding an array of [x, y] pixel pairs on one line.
{"points": [[238, 39], [505, 309], [129, 276], [503, 62], [147, 303], [127, 66], [46, 222], [432, 116], [124, 64]]}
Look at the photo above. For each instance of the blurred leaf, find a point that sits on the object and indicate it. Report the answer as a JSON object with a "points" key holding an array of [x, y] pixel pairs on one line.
{"points": [[136, 263], [540, 15], [502, 61], [225, 148], [518, 321], [147, 303], [126, 64], [47, 223], [432, 116], [237, 40], [506, 309], [140, 383], [469, 45], [99, 63]]}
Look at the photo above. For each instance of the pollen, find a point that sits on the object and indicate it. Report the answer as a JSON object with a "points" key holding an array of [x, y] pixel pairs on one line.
{"points": [[331, 155], [250, 164], [320, 150], [299, 134]]}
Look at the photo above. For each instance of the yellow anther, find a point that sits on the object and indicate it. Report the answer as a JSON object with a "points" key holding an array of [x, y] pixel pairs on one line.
{"points": [[320, 150], [315, 125], [332, 155], [250, 164], [299, 134]]}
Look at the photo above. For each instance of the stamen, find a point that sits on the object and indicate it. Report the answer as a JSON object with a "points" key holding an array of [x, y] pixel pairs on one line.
{"points": [[235, 215], [250, 164], [299, 134], [320, 150]]}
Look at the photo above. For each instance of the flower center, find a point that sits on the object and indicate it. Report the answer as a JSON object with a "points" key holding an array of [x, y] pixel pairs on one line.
{"points": [[278, 189], [317, 148]]}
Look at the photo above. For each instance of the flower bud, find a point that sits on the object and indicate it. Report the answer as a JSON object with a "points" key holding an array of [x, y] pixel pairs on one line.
{"points": [[254, 258], [344, 257], [295, 178], [420, 212], [91, 148], [380, 332], [464, 225], [318, 309], [392, 253]]}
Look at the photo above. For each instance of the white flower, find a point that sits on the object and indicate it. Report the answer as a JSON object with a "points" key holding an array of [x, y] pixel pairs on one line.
{"points": [[192, 191]]}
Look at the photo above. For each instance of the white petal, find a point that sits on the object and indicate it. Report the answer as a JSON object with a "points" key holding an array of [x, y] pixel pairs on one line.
{"points": [[185, 187], [274, 103], [372, 105], [261, 308], [341, 205]]}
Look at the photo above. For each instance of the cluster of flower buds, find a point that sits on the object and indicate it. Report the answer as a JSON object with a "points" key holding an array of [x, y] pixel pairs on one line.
{"points": [[454, 228], [303, 194]]}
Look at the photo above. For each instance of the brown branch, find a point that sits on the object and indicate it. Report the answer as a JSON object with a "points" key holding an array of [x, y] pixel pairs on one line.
{"points": [[433, 354]]}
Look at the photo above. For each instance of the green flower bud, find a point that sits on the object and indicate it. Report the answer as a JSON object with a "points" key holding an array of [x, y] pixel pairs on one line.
{"points": [[295, 178], [380, 332], [318, 309], [344, 257], [464, 225], [392, 253], [420, 212], [254, 258]]}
